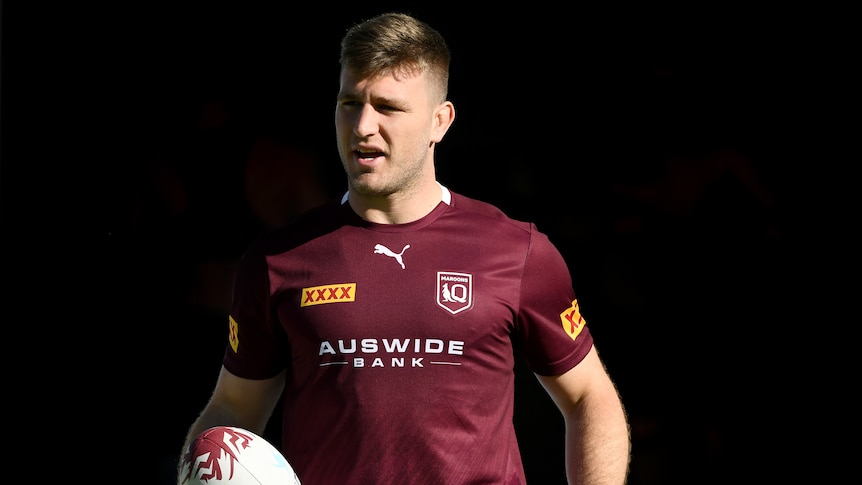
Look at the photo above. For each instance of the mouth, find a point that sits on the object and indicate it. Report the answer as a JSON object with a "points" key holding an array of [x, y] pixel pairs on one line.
{"points": [[367, 156]]}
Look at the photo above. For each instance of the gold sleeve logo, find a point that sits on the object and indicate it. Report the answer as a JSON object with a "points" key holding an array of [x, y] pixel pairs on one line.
{"points": [[572, 320], [233, 334]]}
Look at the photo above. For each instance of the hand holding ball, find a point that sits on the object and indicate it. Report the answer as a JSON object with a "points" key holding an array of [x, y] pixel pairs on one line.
{"points": [[234, 456]]}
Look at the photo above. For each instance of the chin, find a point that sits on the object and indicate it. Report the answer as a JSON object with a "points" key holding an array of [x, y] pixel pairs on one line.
{"points": [[369, 185]]}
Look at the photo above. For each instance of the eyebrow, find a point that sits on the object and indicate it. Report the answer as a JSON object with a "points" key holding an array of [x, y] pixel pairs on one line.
{"points": [[345, 95], [342, 96]]}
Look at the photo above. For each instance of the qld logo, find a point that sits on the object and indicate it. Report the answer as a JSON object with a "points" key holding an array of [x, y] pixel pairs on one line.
{"points": [[454, 291]]}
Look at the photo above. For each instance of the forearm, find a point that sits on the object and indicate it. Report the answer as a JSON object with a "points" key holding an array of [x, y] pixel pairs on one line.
{"points": [[210, 417], [598, 444]]}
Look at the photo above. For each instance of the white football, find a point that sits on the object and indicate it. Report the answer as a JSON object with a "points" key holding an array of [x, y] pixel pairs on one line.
{"points": [[234, 456]]}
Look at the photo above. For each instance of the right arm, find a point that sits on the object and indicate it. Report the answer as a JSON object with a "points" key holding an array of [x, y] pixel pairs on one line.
{"points": [[244, 403]]}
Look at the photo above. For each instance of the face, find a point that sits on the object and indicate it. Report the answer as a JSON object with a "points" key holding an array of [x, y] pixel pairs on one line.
{"points": [[386, 127]]}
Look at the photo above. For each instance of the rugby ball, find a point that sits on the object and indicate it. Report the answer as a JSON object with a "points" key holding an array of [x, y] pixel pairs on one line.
{"points": [[234, 456]]}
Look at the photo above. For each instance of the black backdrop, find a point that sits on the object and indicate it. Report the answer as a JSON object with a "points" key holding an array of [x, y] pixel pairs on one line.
{"points": [[651, 145]]}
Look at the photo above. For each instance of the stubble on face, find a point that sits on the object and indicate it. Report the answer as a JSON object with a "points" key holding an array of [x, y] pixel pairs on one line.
{"points": [[401, 130]]}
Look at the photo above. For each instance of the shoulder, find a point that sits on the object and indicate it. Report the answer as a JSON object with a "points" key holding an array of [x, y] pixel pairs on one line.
{"points": [[487, 212], [308, 226], [513, 234]]}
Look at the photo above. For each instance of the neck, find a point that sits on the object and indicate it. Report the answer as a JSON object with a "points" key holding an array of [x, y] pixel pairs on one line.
{"points": [[398, 208]]}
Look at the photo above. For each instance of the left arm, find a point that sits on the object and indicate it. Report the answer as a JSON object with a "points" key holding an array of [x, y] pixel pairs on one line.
{"points": [[598, 445]]}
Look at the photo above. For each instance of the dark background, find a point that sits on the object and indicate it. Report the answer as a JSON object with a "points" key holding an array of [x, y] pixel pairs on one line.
{"points": [[145, 146]]}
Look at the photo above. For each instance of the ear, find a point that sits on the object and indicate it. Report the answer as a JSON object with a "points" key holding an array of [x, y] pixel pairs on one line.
{"points": [[444, 115]]}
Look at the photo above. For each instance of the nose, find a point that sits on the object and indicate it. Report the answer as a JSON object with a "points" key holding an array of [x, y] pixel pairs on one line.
{"points": [[366, 123]]}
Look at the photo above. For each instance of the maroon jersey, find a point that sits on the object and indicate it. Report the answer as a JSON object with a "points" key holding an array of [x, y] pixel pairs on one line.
{"points": [[399, 340]]}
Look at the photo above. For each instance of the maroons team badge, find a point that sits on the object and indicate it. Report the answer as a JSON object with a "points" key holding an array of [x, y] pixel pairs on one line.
{"points": [[454, 291]]}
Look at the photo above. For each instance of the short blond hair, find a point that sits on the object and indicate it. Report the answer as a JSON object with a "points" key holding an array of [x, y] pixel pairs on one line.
{"points": [[396, 43]]}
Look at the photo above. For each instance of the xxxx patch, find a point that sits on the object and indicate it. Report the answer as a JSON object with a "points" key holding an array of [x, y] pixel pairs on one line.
{"points": [[572, 320], [233, 334], [318, 295]]}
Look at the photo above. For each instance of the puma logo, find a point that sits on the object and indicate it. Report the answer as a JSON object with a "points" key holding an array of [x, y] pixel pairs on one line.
{"points": [[381, 249]]}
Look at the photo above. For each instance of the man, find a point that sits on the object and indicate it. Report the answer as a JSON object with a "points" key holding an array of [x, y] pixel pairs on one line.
{"points": [[389, 320]]}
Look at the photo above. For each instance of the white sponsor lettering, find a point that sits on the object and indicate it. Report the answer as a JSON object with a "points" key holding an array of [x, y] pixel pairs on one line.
{"points": [[372, 346], [396, 362]]}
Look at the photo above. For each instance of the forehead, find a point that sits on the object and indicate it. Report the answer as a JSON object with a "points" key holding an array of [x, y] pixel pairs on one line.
{"points": [[397, 84]]}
